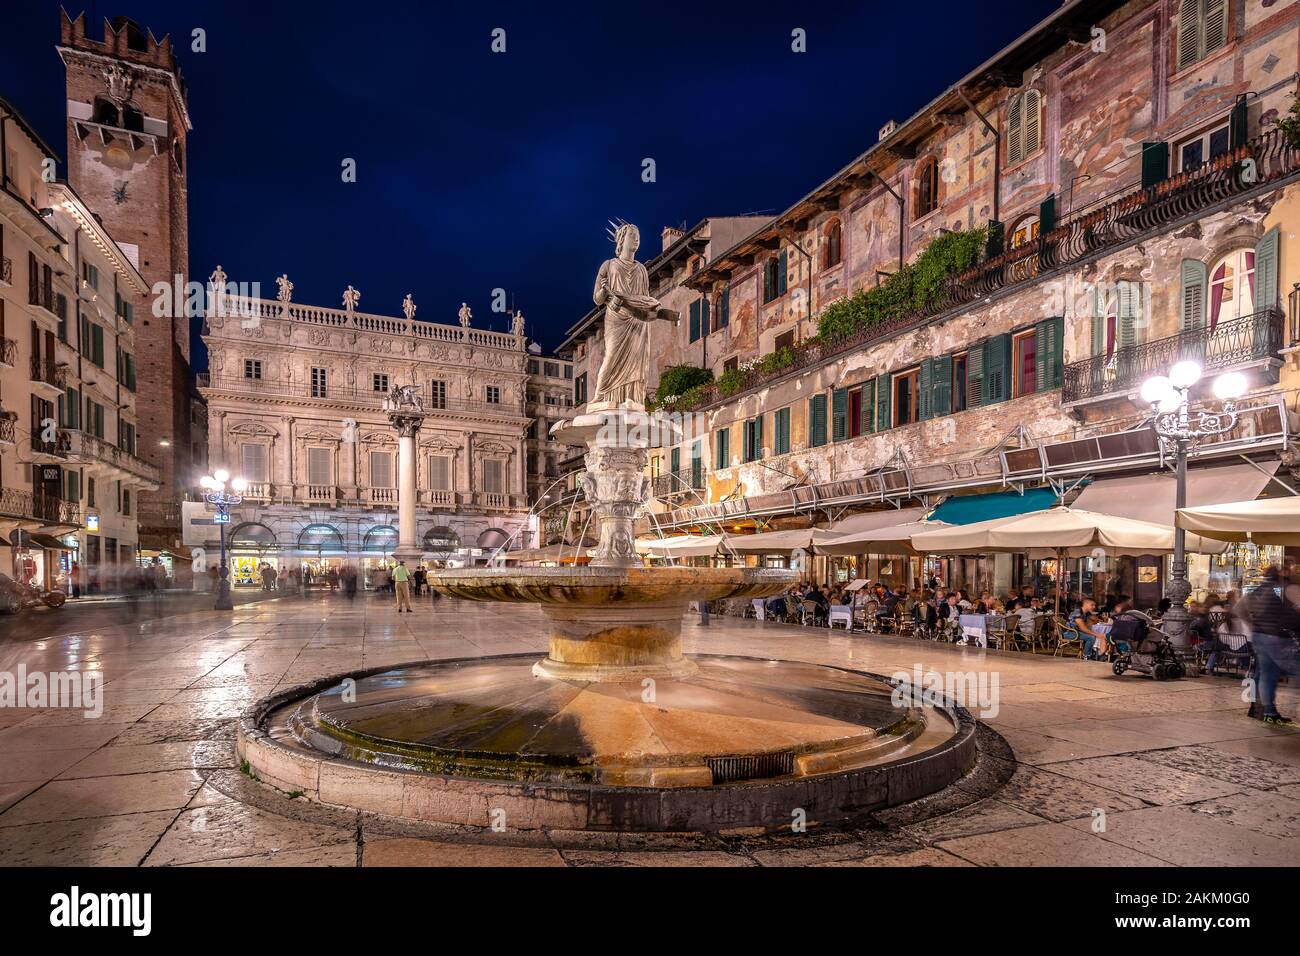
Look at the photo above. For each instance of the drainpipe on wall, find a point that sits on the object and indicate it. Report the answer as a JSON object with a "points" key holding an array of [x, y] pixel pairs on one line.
{"points": [[997, 154]]}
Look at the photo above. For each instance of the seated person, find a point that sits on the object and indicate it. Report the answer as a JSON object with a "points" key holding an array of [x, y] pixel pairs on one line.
{"points": [[1081, 621], [1028, 613], [775, 607], [924, 612]]}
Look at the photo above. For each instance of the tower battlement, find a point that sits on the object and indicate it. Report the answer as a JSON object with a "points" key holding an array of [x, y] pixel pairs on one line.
{"points": [[123, 38]]}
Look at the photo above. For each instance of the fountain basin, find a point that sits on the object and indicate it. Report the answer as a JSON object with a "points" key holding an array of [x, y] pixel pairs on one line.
{"points": [[613, 624]]}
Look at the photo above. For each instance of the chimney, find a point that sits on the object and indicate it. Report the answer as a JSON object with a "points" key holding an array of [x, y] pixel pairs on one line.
{"points": [[670, 235]]}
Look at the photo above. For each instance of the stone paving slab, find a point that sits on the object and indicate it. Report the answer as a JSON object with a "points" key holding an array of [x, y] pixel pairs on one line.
{"points": [[1183, 777]]}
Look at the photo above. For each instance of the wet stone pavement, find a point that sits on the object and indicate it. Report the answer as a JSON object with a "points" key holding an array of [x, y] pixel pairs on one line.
{"points": [[1084, 769]]}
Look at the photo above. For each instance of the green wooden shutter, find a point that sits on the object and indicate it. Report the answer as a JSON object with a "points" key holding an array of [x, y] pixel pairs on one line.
{"points": [[817, 420], [996, 239], [1238, 131], [1216, 25], [724, 309], [1194, 277], [722, 448], [704, 316], [758, 437], [695, 320], [1098, 305], [884, 420], [1189, 41], [1048, 354], [1155, 164], [781, 440], [975, 376], [839, 414], [781, 271], [941, 386], [1047, 215], [769, 277], [868, 410], [676, 458], [1266, 272], [1128, 314], [997, 369], [924, 384]]}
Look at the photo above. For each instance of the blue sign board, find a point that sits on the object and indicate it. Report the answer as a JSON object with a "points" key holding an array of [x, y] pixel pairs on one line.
{"points": [[221, 519]]}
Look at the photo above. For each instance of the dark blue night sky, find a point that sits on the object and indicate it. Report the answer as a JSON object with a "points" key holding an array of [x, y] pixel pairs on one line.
{"points": [[478, 170]]}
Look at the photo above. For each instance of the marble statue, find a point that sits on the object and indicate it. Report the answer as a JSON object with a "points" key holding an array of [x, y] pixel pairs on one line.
{"points": [[350, 299], [404, 399], [623, 288], [286, 289], [408, 308], [517, 326], [464, 314]]}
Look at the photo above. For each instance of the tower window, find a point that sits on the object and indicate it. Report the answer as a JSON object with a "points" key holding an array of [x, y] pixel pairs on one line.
{"points": [[927, 187]]}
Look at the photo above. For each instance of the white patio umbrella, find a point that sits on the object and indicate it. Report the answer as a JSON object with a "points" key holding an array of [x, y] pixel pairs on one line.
{"points": [[779, 542], [896, 539], [1267, 521], [1062, 532], [682, 546]]}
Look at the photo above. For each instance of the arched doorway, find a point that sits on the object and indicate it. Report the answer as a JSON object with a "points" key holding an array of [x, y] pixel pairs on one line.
{"points": [[251, 547]]}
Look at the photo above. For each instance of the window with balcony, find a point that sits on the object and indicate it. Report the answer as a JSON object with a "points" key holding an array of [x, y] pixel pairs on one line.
{"points": [[1024, 133], [493, 476], [253, 368], [1202, 29], [1232, 287], [783, 341], [381, 469], [252, 458], [90, 275], [927, 187], [318, 466], [94, 420], [379, 382], [70, 409], [440, 472], [92, 342], [1208, 144], [437, 394], [126, 437], [319, 382], [126, 501]]}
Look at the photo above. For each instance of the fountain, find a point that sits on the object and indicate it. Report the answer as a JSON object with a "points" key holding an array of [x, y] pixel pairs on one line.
{"points": [[615, 728]]}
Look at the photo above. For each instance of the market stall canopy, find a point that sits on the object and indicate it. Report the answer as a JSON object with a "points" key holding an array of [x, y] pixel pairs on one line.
{"points": [[1152, 497], [1062, 532], [552, 552], [896, 539], [682, 546], [1268, 521]]}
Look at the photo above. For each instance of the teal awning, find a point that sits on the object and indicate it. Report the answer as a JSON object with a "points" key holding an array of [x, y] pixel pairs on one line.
{"points": [[967, 509]]}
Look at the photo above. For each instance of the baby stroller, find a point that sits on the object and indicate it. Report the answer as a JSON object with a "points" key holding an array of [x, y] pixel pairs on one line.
{"points": [[1147, 649]]}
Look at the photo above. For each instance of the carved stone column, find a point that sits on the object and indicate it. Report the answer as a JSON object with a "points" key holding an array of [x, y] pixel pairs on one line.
{"points": [[408, 427], [616, 486]]}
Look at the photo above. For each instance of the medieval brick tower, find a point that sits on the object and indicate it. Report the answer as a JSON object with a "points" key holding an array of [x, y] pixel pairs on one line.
{"points": [[127, 126]]}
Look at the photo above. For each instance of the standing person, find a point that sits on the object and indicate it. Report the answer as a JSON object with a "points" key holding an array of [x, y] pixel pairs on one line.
{"points": [[334, 579], [417, 579], [1274, 621], [76, 579], [350, 581], [402, 587]]}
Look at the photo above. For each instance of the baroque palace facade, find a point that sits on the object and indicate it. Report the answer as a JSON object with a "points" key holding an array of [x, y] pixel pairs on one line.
{"points": [[964, 314], [295, 406]]}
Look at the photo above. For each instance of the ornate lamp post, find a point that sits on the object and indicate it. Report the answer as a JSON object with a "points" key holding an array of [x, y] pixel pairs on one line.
{"points": [[215, 494], [1179, 429]]}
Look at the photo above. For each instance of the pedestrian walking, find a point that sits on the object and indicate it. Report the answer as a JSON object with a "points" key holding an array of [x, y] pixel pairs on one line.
{"points": [[402, 587]]}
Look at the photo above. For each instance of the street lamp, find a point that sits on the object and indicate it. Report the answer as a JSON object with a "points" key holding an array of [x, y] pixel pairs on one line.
{"points": [[215, 494], [1178, 430]]}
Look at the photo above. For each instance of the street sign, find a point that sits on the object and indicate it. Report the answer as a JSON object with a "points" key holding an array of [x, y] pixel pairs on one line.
{"points": [[92, 522], [220, 519]]}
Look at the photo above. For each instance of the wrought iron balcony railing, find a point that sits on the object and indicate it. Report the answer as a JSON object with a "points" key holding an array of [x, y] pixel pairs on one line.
{"points": [[45, 372], [8, 428], [1266, 159], [16, 503], [256, 387], [84, 447], [1228, 344], [684, 481]]}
